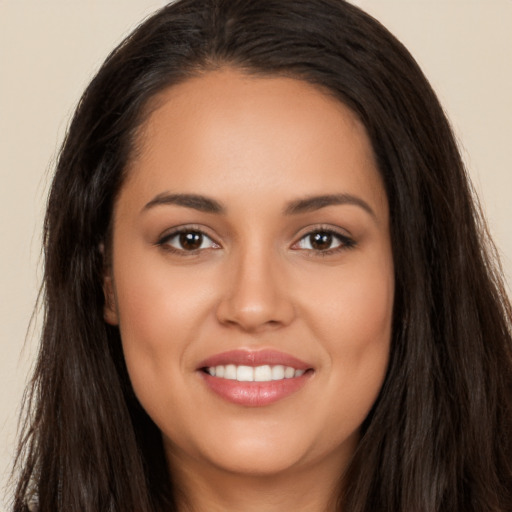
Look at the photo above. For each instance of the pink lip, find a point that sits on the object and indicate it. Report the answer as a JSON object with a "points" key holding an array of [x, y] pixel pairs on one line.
{"points": [[254, 394], [254, 358]]}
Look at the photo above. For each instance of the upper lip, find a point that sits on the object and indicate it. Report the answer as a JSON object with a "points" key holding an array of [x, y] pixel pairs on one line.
{"points": [[254, 358]]}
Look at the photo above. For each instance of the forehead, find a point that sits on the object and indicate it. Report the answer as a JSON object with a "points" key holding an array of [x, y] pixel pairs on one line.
{"points": [[225, 130]]}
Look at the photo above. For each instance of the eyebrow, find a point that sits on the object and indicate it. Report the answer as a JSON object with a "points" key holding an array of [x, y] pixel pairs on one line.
{"points": [[307, 204], [195, 201]]}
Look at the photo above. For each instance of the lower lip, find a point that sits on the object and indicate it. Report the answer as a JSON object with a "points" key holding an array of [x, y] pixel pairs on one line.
{"points": [[255, 394]]}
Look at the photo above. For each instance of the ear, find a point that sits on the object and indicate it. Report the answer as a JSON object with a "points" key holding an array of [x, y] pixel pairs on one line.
{"points": [[110, 308]]}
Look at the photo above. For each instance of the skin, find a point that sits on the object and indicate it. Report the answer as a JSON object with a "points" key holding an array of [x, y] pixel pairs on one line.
{"points": [[254, 145]]}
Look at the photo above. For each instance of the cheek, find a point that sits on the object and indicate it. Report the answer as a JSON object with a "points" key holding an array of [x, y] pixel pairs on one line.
{"points": [[352, 316], [352, 307], [161, 310], [159, 303]]}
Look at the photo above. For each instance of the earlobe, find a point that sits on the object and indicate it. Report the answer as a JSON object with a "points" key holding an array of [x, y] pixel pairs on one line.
{"points": [[109, 309]]}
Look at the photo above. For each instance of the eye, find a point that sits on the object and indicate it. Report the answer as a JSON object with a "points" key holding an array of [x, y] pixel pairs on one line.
{"points": [[187, 241], [324, 241]]}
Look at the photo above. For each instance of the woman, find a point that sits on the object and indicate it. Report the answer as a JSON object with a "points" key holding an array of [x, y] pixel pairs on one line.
{"points": [[267, 286]]}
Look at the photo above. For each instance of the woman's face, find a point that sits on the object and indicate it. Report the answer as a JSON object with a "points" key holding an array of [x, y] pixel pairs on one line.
{"points": [[252, 276]]}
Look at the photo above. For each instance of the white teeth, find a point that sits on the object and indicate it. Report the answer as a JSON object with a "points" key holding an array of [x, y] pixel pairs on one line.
{"points": [[289, 372], [265, 373], [245, 373], [230, 372], [262, 373], [278, 372]]}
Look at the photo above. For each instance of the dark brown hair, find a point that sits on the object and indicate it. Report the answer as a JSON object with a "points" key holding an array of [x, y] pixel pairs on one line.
{"points": [[439, 437]]}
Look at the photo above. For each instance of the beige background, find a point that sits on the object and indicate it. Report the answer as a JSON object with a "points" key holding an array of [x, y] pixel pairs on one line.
{"points": [[49, 50]]}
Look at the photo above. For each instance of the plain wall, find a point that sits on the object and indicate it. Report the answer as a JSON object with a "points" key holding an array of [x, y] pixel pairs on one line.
{"points": [[49, 50]]}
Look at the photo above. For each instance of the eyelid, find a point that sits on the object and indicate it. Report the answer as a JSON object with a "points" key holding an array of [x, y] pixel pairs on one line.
{"points": [[346, 240], [163, 239]]}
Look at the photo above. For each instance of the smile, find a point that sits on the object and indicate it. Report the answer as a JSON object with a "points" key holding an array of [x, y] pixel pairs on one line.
{"points": [[264, 373], [254, 378]]}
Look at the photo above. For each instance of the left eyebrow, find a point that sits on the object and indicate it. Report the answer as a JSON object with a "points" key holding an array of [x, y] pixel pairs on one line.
{"points": [[309, 204], [194, 201]]}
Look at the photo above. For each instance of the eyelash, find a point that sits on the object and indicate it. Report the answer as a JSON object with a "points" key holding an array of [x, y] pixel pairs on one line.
{"points": [[345, 242], [163, 242]]}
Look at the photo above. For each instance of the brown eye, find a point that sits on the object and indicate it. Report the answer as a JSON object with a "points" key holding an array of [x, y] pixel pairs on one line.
{"points": [[324, 241], [187, 241], [321, 241], [190, 241]]}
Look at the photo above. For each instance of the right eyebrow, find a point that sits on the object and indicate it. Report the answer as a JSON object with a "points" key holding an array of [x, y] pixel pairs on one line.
{"points": [[313, 203], [195, 201]]}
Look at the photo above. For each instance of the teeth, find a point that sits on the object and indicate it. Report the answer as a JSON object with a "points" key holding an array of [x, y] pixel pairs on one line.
{"points": [[277, 372], [262, 373], [230, 372], [245, 374], [289, 372], [265, 373]]}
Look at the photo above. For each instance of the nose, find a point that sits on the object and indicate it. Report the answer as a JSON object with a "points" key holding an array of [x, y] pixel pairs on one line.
{"points": [[255, 295]]}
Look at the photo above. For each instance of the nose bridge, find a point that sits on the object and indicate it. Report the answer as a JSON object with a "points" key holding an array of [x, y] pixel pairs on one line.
{"points": [[255, 296]]}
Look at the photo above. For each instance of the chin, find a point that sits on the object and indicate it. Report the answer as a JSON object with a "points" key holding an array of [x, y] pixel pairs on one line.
{"points": [[265, 453], [248, 459]]}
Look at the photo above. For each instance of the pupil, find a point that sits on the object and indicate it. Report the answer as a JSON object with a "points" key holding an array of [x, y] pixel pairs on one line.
{"points": [[321, 241], [191, 241]]}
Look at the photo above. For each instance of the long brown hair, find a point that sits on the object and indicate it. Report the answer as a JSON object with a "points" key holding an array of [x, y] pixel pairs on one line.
{"points": [[439, 437]]}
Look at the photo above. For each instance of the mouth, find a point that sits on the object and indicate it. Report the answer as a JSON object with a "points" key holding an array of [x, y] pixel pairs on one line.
{"points": [[254, 378], [263, 373]]}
